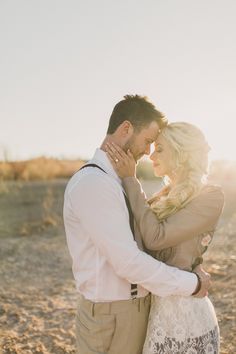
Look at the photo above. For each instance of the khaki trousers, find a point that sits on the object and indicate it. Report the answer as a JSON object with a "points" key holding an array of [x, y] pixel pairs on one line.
{"points": [[117, 327]]}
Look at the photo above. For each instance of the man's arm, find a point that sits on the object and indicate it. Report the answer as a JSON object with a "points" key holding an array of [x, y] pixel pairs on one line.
{"points": [[98, 205]]}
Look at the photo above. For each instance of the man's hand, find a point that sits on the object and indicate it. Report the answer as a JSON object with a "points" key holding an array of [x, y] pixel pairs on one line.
{"points": [[205, 281]]}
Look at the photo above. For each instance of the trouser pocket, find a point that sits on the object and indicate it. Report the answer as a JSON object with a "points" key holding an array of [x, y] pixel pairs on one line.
{"points": [[94, 334]]}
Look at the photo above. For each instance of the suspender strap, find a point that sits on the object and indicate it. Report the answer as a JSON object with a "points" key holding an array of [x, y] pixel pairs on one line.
{"points": [[131, 216], [134, 287], [92, 165]]}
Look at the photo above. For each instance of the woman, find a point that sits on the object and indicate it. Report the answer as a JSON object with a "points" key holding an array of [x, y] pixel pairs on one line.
{"points": [[177, 324]]}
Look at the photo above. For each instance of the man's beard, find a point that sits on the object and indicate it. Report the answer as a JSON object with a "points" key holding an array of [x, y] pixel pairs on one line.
{"points": [[128, 146]]}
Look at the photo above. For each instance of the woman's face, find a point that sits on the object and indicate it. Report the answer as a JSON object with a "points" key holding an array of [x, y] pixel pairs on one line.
{"points": [[162, 158]]}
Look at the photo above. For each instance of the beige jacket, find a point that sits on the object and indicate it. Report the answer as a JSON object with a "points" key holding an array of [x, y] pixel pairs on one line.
{"points": [[182, 238]]}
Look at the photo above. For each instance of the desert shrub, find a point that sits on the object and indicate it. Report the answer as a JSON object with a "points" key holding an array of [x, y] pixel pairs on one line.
{"points": [[38, 169]]}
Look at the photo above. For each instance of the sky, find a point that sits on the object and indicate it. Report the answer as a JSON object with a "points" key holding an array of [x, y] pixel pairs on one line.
{"points": [[65, 64]]}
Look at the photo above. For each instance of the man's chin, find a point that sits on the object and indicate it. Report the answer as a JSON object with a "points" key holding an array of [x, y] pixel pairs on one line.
{"points": [[137, 158]]}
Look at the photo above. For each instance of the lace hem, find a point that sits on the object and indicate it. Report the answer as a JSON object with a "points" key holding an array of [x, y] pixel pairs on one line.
{"points": [[206, 344]]}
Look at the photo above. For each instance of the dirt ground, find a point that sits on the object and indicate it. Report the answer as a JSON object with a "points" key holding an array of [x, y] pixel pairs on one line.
{"points": [[38, 298]]}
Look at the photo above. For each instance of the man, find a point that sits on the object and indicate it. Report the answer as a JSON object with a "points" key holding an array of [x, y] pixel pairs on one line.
{"points": [[113, 275]]}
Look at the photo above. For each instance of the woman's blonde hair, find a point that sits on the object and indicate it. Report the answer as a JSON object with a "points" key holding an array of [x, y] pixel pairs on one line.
{"points": [[190, 155]]}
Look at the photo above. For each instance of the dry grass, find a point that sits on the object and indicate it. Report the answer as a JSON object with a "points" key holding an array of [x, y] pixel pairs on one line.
{"points": [[41, 168]]}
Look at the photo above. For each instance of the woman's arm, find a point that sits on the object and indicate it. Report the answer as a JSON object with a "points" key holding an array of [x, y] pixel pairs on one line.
{"points": [[200, 215]]}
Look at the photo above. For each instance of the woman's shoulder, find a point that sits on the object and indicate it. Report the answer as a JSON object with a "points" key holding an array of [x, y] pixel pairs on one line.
{"points": [[212, 191], [211, 195]]}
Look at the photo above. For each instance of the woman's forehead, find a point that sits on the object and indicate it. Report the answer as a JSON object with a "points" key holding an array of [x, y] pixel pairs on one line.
{"points": [[160, 139]]}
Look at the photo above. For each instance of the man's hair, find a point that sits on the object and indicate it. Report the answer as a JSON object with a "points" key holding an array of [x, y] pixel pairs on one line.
{"points": [[138, 111]]}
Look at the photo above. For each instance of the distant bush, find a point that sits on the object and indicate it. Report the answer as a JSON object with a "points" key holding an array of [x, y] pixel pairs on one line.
{"points": [[224, 174], [223, 171], [41, 168]]}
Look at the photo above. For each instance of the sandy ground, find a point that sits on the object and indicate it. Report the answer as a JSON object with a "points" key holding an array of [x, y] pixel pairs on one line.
{"points": [[38, 298]]}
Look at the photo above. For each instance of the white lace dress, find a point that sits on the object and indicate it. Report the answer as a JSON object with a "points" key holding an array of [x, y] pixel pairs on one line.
{"points": [[182, 325]]}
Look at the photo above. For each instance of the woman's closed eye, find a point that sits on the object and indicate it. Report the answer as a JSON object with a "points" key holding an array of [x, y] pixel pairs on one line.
{"points": [[159, 149]]}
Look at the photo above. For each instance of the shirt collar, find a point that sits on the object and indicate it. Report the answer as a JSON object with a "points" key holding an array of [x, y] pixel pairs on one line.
{"points": [[100, 158]]}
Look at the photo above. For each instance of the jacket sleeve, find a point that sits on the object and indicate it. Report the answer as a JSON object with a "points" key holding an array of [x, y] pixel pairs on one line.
{"points": [[200, 215]]}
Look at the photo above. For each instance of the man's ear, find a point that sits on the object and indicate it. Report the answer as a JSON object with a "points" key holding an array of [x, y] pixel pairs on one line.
{"points": [[127, 128]]}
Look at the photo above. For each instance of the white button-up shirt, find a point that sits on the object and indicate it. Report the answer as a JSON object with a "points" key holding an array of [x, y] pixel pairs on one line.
{"points": [[106, 259]]}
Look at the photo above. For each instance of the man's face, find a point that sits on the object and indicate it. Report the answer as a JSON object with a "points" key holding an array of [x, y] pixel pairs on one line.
{"points": [[140, 142]]}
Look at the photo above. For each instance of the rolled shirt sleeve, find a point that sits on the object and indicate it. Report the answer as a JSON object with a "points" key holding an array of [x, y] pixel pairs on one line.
{"points": [[99, 206]]}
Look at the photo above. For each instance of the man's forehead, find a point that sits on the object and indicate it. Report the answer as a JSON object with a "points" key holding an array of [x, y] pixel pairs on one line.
{"points": [[160, 139], [152, 131]]}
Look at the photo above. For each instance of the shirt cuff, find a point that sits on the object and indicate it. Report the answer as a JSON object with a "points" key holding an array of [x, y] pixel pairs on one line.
{"points": [[188, 283]]}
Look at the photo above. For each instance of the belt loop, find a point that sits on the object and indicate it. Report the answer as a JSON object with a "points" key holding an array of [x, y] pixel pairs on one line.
{"points": [[146, 299], [93, 305]]}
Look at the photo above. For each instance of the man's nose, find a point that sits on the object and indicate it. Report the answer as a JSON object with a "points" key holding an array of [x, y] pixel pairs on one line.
{"points": [[151, 156], [148, 150]]}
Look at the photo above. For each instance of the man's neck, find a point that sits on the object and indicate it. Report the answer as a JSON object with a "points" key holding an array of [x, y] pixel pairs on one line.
{"points": [[109, 139]]}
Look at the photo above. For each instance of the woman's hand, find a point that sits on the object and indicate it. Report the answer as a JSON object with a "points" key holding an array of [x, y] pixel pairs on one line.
{"points": [[124, 164]]}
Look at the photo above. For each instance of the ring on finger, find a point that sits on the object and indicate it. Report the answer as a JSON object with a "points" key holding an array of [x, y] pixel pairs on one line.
{"points": [[116, 160]]}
